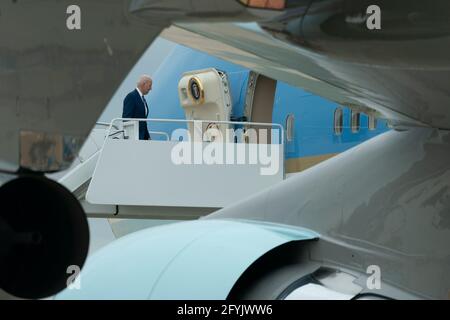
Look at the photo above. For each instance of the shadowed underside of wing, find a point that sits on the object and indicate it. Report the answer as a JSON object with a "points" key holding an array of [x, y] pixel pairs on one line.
{"points": [[401, 70]]}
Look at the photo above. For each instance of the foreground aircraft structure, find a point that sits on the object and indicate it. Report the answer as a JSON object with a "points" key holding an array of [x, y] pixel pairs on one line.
{"points": [[371, 222]]}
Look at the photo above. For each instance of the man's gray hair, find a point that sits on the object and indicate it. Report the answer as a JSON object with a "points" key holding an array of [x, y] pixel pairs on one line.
{"points": [[143, 79]]}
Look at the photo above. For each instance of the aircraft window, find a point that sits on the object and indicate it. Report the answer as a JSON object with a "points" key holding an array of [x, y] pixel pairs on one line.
{"points": [[290, 122], [372, 122], [356, 121], [338, 121]]}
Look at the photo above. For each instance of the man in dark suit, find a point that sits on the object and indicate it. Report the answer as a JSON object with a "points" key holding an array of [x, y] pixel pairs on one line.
{"points": [[135, 105]]}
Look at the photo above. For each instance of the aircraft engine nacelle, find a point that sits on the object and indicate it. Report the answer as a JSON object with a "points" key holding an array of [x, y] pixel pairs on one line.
{"points": [[44, 237], [196, 260], [205, 95]]}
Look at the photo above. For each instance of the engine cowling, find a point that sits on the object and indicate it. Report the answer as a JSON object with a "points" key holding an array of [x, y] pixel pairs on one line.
{"points": [[43, 234]]}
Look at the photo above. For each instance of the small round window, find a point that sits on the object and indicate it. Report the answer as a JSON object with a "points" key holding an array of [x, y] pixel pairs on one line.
{"points": [[290, 123], [356, 121], [338, 121], [372, 122]]}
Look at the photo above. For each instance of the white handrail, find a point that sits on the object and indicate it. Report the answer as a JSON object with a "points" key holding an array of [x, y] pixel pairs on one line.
{"points": [[260, 124]]}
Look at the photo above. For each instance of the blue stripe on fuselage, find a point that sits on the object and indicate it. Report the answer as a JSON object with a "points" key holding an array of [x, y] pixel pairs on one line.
{"points": [[314, 116]]}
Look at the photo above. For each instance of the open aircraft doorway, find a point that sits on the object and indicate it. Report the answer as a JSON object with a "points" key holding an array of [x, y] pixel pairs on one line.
{"points": [[260, 98]]}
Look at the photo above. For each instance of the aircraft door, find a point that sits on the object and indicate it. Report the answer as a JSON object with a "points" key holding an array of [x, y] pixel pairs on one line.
{"points": [[259, 101]]}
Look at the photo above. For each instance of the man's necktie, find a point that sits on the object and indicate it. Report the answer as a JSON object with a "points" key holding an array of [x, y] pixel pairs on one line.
{"points": [[146, 106]]}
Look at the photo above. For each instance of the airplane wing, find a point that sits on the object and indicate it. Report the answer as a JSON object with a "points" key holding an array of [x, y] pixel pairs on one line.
{"points": [[402, 70]]}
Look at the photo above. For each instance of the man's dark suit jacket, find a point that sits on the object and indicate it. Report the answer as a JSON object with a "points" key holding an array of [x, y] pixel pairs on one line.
{"points": [[134, 107]]}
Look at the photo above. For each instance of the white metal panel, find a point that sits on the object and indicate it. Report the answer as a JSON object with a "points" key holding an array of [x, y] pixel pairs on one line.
{"points": [[313, 291], [131, 129], [80, 174], [212, 103], [142, 173], [93, 143], [82, 171]]}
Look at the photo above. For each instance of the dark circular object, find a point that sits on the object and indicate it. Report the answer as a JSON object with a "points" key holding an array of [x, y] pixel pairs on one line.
{"points": [[48, 233], [196, 90]]}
